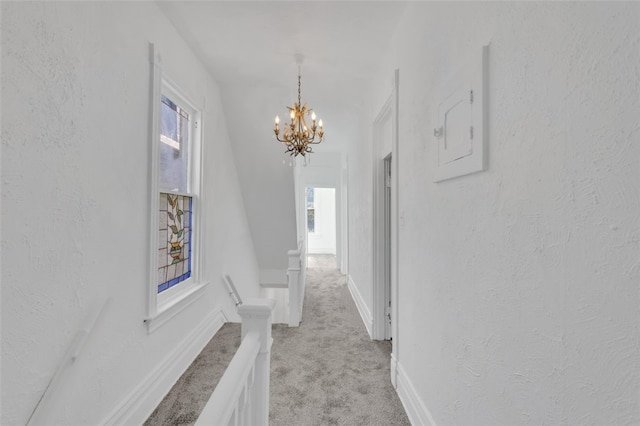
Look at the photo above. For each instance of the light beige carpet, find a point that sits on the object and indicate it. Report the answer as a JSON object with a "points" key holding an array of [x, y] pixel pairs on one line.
{"points": [[325, 372]]}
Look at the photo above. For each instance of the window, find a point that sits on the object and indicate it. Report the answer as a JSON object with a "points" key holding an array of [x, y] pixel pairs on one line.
{"points": [[311, 222], [175, 205], [176, 221], [174, 145]]}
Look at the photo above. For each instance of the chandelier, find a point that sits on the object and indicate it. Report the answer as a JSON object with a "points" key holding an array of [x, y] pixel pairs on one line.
{"points": [[297, 135]]}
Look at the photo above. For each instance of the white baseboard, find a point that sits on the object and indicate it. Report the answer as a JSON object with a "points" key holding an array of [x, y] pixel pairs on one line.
{"points": [[365, 314], [136, 407], [414, 406], [394, 371]]}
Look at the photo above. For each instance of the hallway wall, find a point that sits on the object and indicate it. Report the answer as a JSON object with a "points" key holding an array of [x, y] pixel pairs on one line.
{"points": [[360, 206], [267, 184], [518, 286], [75, 210]]}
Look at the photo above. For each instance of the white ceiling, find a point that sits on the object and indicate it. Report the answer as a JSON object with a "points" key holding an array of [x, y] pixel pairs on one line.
{"points": [[249, 48]]}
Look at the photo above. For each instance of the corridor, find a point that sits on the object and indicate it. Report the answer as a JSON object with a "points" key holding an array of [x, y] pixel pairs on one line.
{"points": [[326, 372], [513, 225]]}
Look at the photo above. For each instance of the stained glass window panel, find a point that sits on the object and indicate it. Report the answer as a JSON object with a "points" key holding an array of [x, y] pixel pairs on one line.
{"points": [[174, 251]]}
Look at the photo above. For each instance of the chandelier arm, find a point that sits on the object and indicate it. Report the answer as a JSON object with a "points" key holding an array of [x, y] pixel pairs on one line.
{"points": [[304, 122], [286, 137]]}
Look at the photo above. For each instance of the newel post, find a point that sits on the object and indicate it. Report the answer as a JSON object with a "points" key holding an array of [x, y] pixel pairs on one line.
{"points": [[256, 317], [293, 273]]}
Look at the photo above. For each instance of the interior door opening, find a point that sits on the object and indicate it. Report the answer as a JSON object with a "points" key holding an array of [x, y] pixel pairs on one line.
{"points": [[387, 247], [321, 220]]}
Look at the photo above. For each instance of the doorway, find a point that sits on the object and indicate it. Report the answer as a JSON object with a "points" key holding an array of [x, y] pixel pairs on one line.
{"points": [[385, 222], [321, 220], [383, 249], [387, 247]]}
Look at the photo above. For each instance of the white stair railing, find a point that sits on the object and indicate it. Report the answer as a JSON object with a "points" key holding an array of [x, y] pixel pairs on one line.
{"points": [[296, 274], [242, 395]]}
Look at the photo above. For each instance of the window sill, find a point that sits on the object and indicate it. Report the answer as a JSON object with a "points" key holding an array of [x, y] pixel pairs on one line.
{"points": [[174, 306]]}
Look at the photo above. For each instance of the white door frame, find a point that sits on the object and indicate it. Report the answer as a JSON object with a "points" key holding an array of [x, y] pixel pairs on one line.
{"points": [[386, 242], [331, 181], [388, 112]]}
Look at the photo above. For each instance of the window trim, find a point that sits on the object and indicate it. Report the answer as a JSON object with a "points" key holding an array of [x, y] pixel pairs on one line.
{"points": [[163, 306]]}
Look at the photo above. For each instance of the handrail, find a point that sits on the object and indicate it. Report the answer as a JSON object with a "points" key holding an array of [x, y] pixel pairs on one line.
{"points": [[233, 291], [238, 378], [69, 357]]}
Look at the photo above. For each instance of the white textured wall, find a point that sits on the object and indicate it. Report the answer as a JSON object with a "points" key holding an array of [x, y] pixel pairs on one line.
{"points": [[75, 182], [360, 205], [267, 184], [519, 286]]}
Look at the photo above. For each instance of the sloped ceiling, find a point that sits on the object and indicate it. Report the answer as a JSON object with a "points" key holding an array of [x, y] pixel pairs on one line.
{"points": [[250, 48]]}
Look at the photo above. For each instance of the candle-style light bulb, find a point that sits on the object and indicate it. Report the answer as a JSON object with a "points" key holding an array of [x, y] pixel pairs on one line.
{"points": [[320, 123], [293, 115], [313, 116], [277, 120]]}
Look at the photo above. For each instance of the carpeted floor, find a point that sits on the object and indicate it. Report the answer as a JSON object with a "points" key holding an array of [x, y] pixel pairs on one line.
{"points": [[325, 372]]}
